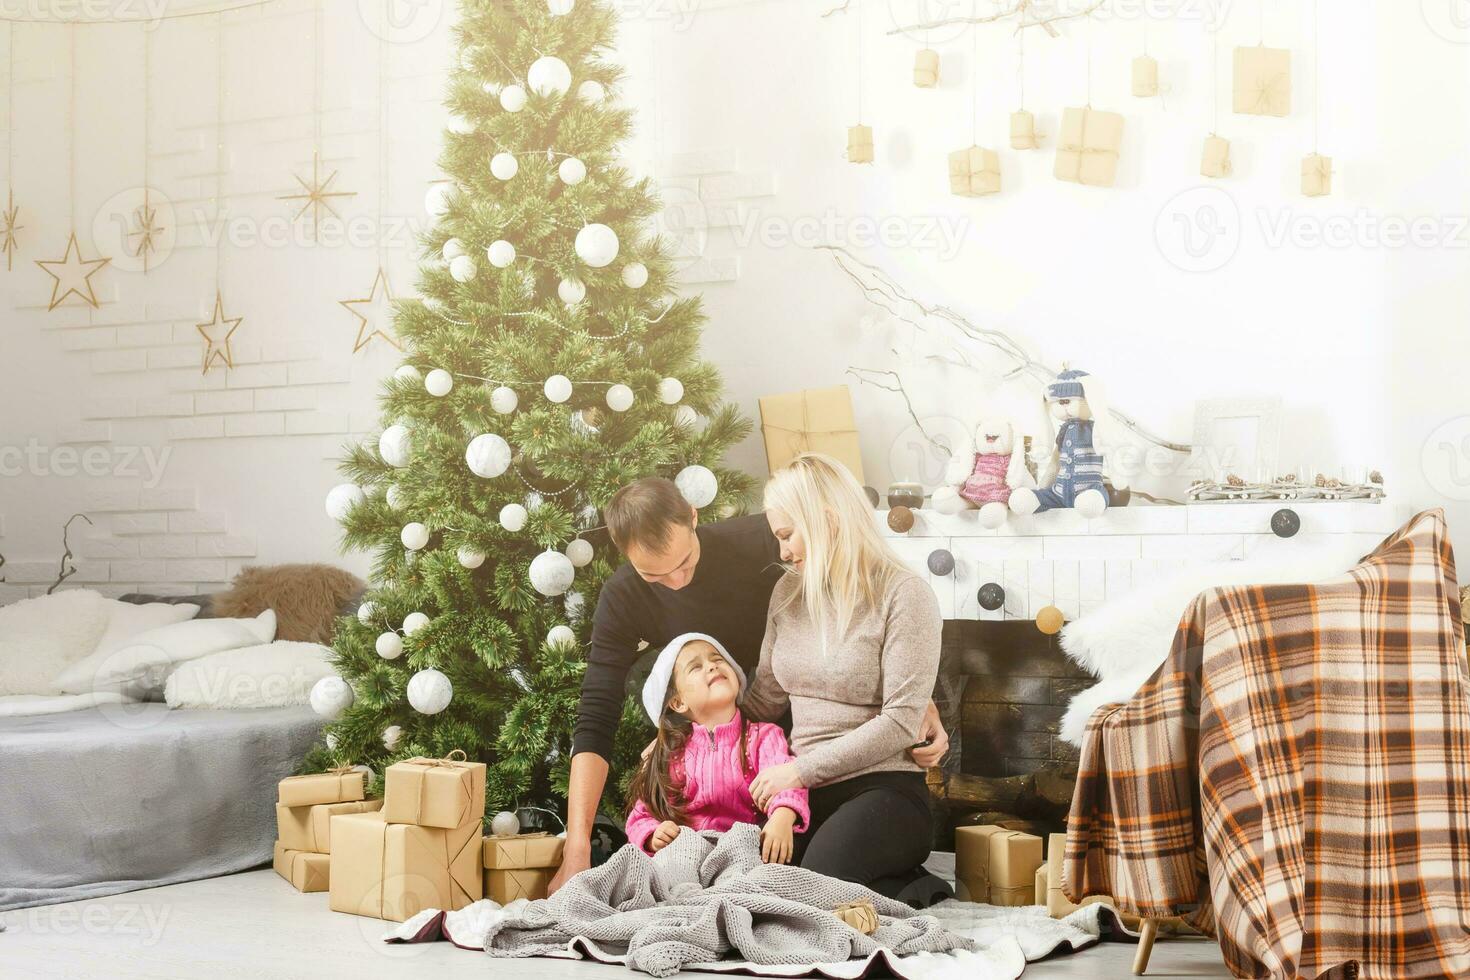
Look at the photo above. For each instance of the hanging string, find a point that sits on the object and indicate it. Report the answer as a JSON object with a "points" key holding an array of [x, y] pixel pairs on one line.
{"points": [[1021, 64], [71, 116], [1316, 55], [1089, 62], [1261, 11], [10, 106], [974, 86], [146, 245], [383, 144], [219, 146], [1215, 86], [860, 60], [316, 75]]}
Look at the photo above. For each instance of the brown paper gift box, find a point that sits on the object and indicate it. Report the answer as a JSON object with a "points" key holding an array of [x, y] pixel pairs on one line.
{"points": [[434, 793], [860, 144], [507, 885], [338, 786], [1023, 131], [395, 870], [309, 828], [974, 172], [523, 851], [926, 68], [1145, 77], [1262, 82], [305, 871], [1316, 175], [1057, 903], [1087, 147], [1215, 160], [819, 420], [1038, 889], [996, 865]]}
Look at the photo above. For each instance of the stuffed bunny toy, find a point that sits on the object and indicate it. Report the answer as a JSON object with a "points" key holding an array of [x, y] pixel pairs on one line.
{"points": [[983, 474], [1073, 476]]}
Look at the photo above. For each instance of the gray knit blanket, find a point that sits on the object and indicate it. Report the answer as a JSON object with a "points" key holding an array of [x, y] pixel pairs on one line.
{"points": [[706, 897]]}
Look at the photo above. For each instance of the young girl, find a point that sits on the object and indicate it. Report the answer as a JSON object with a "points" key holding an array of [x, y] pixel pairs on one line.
{"points": [[698, 772]]}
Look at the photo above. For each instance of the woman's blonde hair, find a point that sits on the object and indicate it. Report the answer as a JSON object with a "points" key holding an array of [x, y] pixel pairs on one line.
{"points": [[848, 565]]}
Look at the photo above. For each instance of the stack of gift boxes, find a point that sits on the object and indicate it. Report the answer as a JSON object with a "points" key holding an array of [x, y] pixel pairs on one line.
{"points": [[419, 847], [997, 866]]}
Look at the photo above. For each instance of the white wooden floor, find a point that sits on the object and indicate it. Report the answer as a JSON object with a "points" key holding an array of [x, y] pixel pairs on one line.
{"points": [[254, 925]]}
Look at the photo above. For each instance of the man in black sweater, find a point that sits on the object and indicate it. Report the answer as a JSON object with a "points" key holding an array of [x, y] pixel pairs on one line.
{"points": [[679, 578]]}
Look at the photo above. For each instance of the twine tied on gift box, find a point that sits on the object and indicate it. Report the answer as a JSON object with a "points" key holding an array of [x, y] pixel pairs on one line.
{"points": [[449, 761], [804, 434], [860, 915], [342, 772], [1266, 93]]}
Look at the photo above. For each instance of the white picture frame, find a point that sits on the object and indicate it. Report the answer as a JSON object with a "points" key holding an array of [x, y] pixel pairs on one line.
{"points": [[1239, 437]]}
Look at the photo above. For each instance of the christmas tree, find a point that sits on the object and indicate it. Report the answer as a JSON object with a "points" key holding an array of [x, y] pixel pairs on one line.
{"points": [[548, 364]]}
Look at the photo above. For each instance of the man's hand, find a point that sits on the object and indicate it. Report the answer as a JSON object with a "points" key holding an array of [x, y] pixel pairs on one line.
{"points": [[776, 843], [772, 780], [574, 860], [929, 755], [663, 836]]}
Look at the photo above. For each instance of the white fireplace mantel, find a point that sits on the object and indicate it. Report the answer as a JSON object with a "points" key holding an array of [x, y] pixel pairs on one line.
{"points": [[1061, 559]]}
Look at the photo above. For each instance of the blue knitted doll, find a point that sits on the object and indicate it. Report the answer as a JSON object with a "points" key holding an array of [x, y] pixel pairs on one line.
{"points": [[1074, 475]]}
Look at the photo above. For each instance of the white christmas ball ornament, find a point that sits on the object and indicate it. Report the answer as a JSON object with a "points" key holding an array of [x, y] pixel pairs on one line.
{"points": [[408, 373], [429, 692], [685, 417], [671, 391], [342, 498], [470, 558], [439, 383], [331, 739], [414, 536], [394, 496], [393, 446], [504, 166], [560, 636], [452, 249], [389, 645], [552, 573], [366, 612], [560, 8], [534, 501], [597, 245], [463, 268], [459, 124], [392, 735], [579, 552], [571, 291], [505, 824], [488, 456], [549, 75], [331, 696], [414, 622], [558, 388], [513, 98], [490, 88], [592, 91], [501, 253], [697, 484], [635, 275], [572, 171], [575, 605], [513, 517], [504, 400], [620, 398], [436, 200]]}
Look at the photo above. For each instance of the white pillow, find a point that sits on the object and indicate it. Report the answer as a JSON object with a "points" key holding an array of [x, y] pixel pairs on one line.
{"points": [[142, 666], [273, 675], [126, 620], [41, 637]]}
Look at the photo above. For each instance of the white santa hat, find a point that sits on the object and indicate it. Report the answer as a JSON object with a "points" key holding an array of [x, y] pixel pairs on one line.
{"points": [[657, 684]]}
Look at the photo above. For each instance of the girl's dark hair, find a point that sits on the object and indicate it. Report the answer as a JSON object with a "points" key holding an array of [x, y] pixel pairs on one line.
{"points": [[657, 783]]}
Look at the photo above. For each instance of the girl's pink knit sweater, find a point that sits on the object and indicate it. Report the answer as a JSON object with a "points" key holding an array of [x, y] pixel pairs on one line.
{"points": [[716, 787]]}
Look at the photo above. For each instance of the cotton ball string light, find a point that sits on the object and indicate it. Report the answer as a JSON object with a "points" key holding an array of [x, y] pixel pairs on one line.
{"points": [[488, 456], [592, 91], [504, 400], [572, 171], [429, 692], [686, 417], [575, 605], [671, 391], [571, 291], [513, 98], [560, 636], [392, 735], [389, 645], [698, 485], [560, 8], [513, 517], [393, 446], [635, 275], [558, 388], [331, 696], [342, 498], [436, 200], [551, 573], [534, 501], [414, 536], [331, 739], [505, 824], [597, 245], [366, 612], [504, 166], [501, 253], [579, 552], [620, 398], [408, 373], [463, 268], [414, 622], [549, 76], [471, 558], [394, 496], [439, 383], [452, 249]]}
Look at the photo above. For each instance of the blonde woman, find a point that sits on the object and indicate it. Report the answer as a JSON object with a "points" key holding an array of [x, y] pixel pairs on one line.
{"points": [[852, 644]]}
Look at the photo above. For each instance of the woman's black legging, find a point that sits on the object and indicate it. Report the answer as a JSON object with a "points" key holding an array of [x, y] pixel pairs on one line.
{"points": [[870, 829]]}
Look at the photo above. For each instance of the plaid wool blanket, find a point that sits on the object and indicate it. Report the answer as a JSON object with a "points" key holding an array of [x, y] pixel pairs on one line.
{"points": [[1296, 778]]}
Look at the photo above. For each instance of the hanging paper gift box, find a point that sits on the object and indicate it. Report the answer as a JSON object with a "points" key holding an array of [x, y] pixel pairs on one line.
{"points": [[860, 144], [309, 828], [1262, 85], [341, 785], [819, 420], [396, 870], [1023, 131], [974, 172], [307, 872], [445, 793], [1087, 147], [926, 68], [1215, 161], [1316, 175], [1145, 77]]}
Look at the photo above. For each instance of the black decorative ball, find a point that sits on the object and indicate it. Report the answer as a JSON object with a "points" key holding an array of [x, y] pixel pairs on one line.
{"points": [[992, 596], [1285, 523], [941, 561], [873, 497]]}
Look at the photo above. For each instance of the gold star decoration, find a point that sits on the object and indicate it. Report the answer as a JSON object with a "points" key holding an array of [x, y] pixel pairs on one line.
{"points": [[145, 229], [8, 227], [316, 194], [378, 307], [73, 274], [217, 348]]}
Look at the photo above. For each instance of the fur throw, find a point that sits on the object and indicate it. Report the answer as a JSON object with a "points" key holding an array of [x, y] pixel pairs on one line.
{"points": [[307, 599]]}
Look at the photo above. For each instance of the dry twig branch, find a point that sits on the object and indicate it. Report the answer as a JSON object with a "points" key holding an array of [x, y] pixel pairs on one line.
{"points": [[868, 376], [67, 571], [1018, 11]]}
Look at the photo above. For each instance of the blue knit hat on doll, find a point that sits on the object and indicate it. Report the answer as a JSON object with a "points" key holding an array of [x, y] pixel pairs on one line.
{"points": [[1073, 475]]}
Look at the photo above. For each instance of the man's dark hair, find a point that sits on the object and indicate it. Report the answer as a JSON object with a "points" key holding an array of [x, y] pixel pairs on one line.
{"points": [[645, 513]]}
